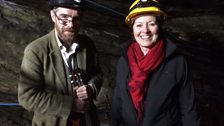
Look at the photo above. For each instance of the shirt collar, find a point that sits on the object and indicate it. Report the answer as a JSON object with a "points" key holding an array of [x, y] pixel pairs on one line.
{"points": [[71, 50]]}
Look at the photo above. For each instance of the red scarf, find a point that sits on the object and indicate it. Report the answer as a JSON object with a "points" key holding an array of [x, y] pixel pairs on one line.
{"points": [[141, 66]]}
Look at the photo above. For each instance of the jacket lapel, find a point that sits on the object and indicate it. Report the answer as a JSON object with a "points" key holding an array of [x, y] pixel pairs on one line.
{"points": [[57, 60], [130, 104]]}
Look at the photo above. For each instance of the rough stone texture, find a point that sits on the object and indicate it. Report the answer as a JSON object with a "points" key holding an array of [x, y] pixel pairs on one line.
{"points": [[199, 34]]}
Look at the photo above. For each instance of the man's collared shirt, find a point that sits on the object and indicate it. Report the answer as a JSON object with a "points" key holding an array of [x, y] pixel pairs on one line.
{"points": [[66, 53]]}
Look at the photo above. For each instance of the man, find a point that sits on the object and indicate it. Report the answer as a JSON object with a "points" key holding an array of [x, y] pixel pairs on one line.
{"points": [[47, 83]]}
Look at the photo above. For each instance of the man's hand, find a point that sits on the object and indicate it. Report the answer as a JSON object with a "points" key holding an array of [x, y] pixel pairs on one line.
{"points": [[81, 102], [84, 92]]}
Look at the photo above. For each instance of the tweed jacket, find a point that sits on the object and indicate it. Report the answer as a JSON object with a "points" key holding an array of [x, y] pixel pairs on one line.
{"points": [[43, 87], [170, 98]]}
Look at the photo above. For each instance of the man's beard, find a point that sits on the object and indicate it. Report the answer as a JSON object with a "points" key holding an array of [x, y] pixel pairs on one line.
{"points": [[66, 38]]}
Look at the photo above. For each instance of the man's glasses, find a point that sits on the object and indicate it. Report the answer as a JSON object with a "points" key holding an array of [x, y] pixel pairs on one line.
{"points": [[67, 19]]}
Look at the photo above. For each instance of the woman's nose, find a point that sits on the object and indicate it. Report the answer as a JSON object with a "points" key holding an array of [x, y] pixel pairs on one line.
{"points": [[145, 29]]}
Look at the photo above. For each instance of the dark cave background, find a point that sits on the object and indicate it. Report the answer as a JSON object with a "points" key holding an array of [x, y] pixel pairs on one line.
{"points": [[196, 26]]}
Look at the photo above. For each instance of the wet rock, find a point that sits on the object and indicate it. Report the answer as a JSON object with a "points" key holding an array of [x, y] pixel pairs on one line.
{"points": [[197, 32]]}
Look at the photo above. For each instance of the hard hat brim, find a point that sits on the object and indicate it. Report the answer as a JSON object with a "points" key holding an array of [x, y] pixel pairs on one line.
{"points": [[144, 10]]}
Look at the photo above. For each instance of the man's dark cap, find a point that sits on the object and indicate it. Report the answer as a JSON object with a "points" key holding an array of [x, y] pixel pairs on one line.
{"points": [[66, 3]]}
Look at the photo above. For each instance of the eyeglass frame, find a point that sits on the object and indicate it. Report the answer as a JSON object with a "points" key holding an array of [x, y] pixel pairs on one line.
{"points": [[66, 21]]}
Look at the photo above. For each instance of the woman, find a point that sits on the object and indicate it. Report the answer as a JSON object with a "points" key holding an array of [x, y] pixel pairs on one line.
{"points": [[153, 83]]}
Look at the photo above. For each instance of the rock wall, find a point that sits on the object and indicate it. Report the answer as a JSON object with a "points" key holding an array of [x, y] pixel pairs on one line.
{"points": [[198, 34]]}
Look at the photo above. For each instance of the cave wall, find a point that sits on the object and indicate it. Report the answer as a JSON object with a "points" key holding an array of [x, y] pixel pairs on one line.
{"points": [[198, 32]]}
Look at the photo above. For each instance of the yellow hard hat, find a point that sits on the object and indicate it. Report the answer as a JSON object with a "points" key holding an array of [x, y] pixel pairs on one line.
{"points": [[143, 7]]}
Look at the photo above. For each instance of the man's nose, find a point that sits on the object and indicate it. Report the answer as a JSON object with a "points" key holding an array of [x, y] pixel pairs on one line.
{"points": [[70, 24]]}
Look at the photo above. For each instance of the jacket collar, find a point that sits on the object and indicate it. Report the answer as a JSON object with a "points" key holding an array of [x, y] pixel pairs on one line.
{"points": [[56, 58], [170, 47], [55, 54]]}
